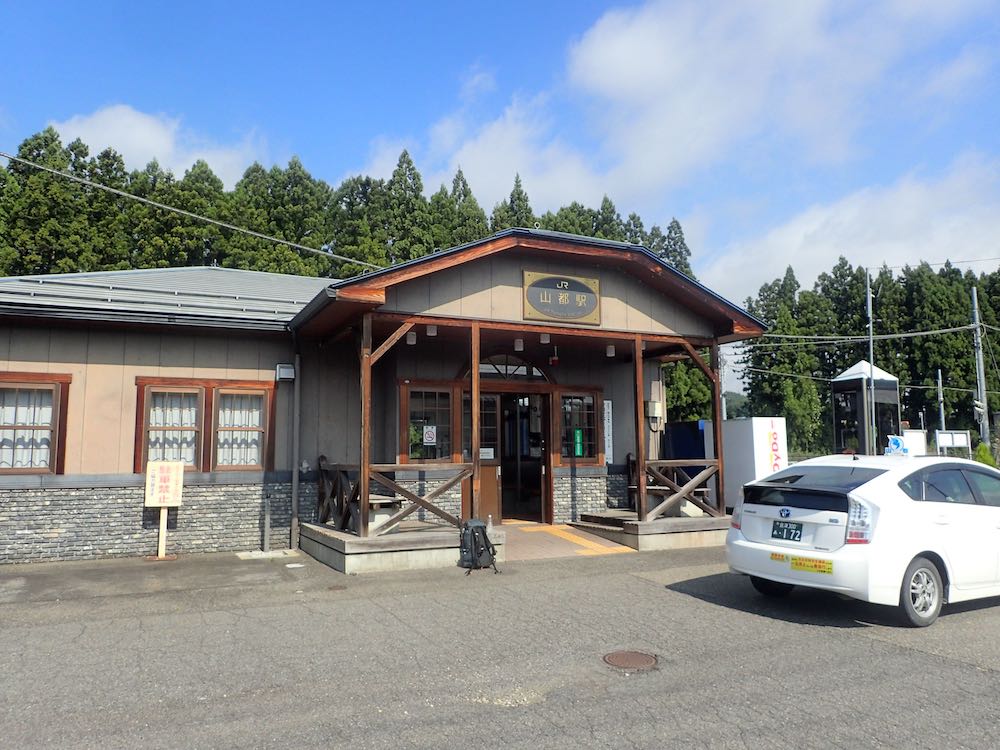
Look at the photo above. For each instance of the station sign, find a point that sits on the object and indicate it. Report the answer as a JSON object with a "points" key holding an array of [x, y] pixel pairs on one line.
{"points": [[555, 297]]}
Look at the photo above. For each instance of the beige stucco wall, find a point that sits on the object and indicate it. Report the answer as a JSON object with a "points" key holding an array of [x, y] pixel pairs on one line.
{"points": [[491, 288], [101, 417]]}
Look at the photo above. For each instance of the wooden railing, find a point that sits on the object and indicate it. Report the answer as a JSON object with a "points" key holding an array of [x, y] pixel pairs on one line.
{"points": [[669, 479], [340, 492]]}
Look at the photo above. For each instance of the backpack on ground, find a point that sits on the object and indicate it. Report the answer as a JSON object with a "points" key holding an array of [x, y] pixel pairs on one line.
{"points": [[475, 548]]}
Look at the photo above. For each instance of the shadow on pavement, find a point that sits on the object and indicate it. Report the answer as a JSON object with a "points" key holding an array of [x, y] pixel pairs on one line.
{"points": [[802, 606]]}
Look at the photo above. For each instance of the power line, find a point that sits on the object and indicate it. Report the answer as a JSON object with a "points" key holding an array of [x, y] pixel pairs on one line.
{"points": [[902, 386], [198, 217], [939, 263], [879, 337]]}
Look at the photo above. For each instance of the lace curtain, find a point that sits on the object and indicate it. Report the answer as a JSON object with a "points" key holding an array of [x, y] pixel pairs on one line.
{"points": [[240, 440], [173, 427], [25, 428]]}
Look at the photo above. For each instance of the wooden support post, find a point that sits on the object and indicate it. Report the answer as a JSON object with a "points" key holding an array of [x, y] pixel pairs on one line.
{"points": [[717, 428], [366, 423], [640, 429], [474, 398], [161, 545]]}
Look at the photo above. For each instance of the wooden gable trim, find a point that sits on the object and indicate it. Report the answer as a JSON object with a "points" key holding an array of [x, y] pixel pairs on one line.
{"points": [[372, 291]]}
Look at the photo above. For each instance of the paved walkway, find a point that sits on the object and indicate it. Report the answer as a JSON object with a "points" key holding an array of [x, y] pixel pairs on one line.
{"points": [[527, 540], [211, 651]]}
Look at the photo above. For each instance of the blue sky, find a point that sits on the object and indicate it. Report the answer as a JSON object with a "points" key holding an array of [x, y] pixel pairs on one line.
{"points": [[777, 132]]}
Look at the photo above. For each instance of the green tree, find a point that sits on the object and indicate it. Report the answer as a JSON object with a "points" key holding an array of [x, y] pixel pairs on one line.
{"points": [[635, 232], [675, 250], [471, 222], [515, 211], [608, 224], [572, 219], [48, 226], [408, 225], [444, 219], [360, 220]]}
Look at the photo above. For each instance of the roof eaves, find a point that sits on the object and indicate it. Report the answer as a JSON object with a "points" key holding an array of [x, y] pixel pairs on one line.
{"points": [[312, 307], [150, 318]]}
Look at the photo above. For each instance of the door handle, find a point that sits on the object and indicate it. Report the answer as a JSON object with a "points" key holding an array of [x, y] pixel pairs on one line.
{"points": [[942, 520]]}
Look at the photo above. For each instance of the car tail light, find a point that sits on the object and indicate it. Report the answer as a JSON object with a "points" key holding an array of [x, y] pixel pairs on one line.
{"points": [[736, 518], [860, 524]]}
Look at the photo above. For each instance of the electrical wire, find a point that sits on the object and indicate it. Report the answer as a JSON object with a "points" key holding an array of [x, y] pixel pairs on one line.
{"points": [[879, 337], [165, 207], [903, 386], [939, 263]]}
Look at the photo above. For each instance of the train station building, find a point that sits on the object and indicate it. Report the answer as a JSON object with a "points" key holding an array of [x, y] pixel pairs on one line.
{"points": [[514, 378]]}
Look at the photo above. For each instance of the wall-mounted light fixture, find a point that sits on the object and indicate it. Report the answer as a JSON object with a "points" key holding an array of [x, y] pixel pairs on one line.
{"points": [[543, 338], [432, 330], [411, 337], [609, 351], [518, 345], [654, 413]]}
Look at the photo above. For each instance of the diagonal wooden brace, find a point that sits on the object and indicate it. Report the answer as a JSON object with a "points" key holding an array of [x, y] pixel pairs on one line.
{"points": [[437, 492], [685, 494]]}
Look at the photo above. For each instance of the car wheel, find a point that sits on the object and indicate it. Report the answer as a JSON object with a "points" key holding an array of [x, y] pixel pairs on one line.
{"points": [[922, 593], [771, 588]]}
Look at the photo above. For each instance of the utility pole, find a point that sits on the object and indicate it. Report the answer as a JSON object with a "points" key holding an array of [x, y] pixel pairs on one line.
{"points": [[980, 406], [871, 426], [941, 401]]}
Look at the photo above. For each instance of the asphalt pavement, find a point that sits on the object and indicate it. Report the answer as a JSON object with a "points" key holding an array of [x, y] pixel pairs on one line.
{"points": [[216, 652]]}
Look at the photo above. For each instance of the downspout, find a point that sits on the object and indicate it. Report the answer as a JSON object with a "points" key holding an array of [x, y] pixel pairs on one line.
{"points": [[293, 541]]}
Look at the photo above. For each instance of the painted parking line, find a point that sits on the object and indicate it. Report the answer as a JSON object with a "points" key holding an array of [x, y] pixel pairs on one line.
{"points": [[590, 547]]}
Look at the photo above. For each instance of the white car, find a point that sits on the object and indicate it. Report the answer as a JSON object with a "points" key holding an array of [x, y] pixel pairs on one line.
{"points": [[903, 531]]}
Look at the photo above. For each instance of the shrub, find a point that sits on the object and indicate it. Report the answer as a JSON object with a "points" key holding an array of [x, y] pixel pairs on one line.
{"points": [[984, 456]]}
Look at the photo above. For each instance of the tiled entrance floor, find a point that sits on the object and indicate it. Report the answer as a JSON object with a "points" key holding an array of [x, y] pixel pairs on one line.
{"points": [[527, 540]]}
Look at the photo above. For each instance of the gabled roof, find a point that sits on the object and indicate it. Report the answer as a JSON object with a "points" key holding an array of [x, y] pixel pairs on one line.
{"points": [[367, 291], [194, 296], [864, 370]]}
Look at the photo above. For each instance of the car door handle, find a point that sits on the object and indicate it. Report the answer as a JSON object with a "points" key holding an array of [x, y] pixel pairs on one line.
{"points": [[942, 520]]}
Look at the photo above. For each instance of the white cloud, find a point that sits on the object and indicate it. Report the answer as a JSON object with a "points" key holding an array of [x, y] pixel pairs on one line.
{"points": [[682, 85], [955, 216], [954, 78], [141, 137], [476, 83], [519, 141], [666, 90]]}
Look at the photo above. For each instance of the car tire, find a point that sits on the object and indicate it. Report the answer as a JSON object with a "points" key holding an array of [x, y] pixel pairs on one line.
{"points": [[771, 588], [922, 593]]}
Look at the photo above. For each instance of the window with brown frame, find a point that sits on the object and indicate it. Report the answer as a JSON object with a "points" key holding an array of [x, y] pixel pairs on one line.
{"points": [[29, 418], [174, 425], [579, 426], [209, 425], [429, 425]]}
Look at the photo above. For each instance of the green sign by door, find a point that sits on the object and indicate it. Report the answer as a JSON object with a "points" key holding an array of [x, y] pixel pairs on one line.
{"points": [[578, 442]]}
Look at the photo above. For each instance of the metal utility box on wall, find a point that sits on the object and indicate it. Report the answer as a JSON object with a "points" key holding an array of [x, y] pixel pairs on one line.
{"points": [[752, 449]]}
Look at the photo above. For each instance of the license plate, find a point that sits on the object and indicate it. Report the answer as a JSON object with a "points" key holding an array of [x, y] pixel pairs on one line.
{"points": [[812, 565], [788, 530]]}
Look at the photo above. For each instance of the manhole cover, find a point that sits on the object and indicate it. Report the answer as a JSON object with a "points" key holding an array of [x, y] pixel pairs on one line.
{"points": [[630, 661]]}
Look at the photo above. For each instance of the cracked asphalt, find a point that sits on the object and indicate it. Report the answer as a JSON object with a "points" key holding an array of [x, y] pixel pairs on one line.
{"points": [[215, 652]]}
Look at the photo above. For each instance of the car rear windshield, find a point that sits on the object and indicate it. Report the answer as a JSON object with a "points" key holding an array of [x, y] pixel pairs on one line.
{"points": [[795, 497], [810, 487], [836, 478]]}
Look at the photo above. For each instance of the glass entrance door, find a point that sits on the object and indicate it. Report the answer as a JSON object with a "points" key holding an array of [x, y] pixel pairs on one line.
{"points": [[523, 455]]}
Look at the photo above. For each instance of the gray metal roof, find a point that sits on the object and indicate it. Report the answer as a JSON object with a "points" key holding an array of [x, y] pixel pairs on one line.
{"points": [[197, 296]]}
